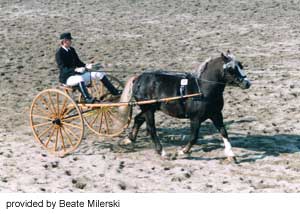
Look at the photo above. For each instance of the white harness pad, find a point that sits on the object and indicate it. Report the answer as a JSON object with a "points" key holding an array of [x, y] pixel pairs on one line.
{"points": [[184, 82]]}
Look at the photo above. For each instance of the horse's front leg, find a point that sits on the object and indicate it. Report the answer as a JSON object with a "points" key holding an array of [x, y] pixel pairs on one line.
{"points": [[195, 126], [150, 120], [217, 120]]}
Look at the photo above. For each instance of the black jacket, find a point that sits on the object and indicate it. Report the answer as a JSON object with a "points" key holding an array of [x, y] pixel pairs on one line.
{"points": [[67, 61]]}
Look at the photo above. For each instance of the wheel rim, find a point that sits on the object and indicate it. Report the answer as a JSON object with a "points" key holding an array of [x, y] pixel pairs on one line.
{"points": [[56, 122]]}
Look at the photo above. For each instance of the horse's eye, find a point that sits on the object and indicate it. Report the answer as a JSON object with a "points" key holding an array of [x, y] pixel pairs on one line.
{"points": [[231, 70], [241, 66]]}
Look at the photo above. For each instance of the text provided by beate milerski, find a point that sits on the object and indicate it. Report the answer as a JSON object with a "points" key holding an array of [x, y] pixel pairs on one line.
{"points": [[54, 204]]}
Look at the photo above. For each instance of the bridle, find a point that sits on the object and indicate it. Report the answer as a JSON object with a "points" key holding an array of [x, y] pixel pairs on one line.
{"points": [[226, 67]]}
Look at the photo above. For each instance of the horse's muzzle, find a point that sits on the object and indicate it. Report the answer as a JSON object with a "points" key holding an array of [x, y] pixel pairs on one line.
{"points": [[245, 84]]}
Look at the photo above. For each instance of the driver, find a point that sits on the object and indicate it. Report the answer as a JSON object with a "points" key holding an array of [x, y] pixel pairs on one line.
{"points": [[73, 70]]}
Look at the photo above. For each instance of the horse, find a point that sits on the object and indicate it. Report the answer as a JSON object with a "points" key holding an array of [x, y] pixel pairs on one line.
{"points": [[209, 80]]}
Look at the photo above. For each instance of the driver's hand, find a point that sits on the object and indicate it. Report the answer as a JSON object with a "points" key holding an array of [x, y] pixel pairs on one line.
{"points": [[89, 66], [80, 70], [98, 66]]}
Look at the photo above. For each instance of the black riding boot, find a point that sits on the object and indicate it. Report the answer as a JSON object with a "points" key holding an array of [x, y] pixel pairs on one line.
{"points": [[84, 92], [110, 86]]}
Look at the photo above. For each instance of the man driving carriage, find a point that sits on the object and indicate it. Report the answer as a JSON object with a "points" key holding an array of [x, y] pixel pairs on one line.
{"points": [[73, 72]]}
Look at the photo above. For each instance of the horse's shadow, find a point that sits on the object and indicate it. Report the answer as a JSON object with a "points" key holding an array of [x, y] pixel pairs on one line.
{"points": [[254, 147]]}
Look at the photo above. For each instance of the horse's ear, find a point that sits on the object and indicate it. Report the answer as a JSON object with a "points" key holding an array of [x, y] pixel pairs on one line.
{"points": [[230, 55], [224, 57]]}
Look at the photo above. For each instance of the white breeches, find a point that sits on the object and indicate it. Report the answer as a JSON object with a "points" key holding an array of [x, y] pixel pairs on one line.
{"points": [[85, 77]]}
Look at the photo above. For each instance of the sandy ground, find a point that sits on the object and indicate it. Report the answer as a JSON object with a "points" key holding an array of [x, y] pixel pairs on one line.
{"points": [[128, 36]]}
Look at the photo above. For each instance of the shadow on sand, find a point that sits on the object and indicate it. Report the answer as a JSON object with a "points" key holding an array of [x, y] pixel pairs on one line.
{"points": [[254, 147]]}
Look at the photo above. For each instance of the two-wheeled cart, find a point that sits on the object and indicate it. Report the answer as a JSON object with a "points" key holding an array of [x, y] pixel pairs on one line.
{"points": [[57, 116]]}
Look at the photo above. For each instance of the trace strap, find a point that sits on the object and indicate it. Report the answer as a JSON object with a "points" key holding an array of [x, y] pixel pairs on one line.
{"points": [[143, 102]]}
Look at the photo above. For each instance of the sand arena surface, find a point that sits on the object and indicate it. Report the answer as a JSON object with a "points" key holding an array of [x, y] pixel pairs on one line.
{"points": [[129, 36]]}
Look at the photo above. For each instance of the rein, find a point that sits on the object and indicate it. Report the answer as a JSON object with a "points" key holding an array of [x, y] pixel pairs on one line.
{"points": [[204, 80]]}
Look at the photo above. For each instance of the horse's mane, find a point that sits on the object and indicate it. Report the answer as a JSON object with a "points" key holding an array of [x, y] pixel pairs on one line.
{"points": [[201, 67]]}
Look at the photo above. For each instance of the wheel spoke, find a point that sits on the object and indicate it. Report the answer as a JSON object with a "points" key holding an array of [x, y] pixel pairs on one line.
{"points": [[114, 119], [42, 110], [72, 125], [51, 101], [70, 108], [101, 119], [56, 140], [105, 118], [91, 124], [57, 103], [97, 89], [41, 117], [109, 117], [45, 131], [68, 136], [72, 133], [42, 124], [63, 106], [44, 101], [50, 137], [62, 139]]}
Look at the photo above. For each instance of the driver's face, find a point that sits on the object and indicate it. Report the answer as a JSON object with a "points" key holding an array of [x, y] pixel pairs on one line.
{"points": [[67, 43]]}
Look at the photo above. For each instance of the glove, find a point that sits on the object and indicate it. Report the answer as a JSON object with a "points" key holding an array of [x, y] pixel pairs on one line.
{"points": [[89, 66], [80, 70], [98, 66]]}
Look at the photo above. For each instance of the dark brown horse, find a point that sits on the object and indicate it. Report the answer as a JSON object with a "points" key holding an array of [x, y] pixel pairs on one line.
{"points": [[210, 80]]}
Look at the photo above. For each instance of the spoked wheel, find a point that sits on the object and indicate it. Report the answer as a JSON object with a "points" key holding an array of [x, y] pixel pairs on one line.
{"points": [[56, 121], [108, 120], [99, 91]]}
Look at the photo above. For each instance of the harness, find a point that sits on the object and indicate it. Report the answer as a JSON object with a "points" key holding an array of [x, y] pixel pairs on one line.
{"points": [[184, 82]]}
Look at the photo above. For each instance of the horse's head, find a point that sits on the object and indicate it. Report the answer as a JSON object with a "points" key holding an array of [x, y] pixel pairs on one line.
{"points": [[233, 71]]}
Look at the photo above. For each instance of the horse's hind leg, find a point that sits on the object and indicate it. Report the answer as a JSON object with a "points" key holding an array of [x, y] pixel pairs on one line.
{"points": [[138, 122], [150, 120], [195, 126], [139, 119], [217, 120]]}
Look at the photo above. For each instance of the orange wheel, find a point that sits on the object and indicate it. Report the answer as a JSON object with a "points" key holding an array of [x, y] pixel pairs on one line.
{"points": [[98, 90], [109, 120], [56, 122]]}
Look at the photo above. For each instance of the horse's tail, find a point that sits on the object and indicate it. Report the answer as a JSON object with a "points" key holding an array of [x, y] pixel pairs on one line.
{"points": [[127, 95]]}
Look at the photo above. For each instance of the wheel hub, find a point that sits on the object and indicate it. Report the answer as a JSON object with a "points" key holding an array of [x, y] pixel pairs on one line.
{"points": [[57, 121]]}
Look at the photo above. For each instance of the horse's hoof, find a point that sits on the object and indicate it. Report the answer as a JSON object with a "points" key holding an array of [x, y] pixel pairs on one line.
{"points": [[165, 156], [126, 141], [182, 151], [231, 159], [174, 156]]}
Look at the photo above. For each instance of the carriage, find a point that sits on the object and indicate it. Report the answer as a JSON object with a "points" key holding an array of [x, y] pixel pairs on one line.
{"points": [[58, 115]]}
